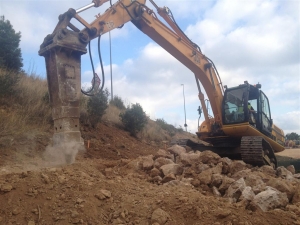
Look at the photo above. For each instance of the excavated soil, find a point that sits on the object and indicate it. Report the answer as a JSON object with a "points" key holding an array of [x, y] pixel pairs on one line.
{"points": [[104, 186]]}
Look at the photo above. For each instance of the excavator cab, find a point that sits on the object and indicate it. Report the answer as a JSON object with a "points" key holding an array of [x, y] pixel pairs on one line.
{"points": [[246, 103]]}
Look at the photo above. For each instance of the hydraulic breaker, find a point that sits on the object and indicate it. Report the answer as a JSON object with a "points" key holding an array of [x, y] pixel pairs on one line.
{"points": [[62, 51]]}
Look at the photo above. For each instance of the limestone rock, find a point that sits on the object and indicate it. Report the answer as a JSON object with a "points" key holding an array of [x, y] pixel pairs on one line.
{"points": [[255, 182], [282, 186], [284, 173], [296, 197], [168, 178], [6, 187], [208, 157], [236, 166], [291, 168], [155, 172], [188, 159], [270, 199], [160, 216], [164, 154], [241, 174], [216, 191], [226, 182], [225, 164], [177, 150], [268, 170], [148, 163], [216, 180], [247, 194], [205, 177], [162, 161], [201, 167], [235, 189], [172, 168]]}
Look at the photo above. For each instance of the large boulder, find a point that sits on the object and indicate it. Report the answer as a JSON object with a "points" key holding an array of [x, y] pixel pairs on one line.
{"points": [[188, 159], [255, 182], [236, 166], [247, 194], [162, 161], [164, 154], [296, 197], [205, 177], [209, 157], [147, 163], [171, 168], [241, 174], [291, 168], [225, 164], [235, 190], [155, 172], [159, 216], [269, 199], [268, 170], [216, 180], [199, 168], [284, 173], [226, 182], [282, 186], [176, 150]]}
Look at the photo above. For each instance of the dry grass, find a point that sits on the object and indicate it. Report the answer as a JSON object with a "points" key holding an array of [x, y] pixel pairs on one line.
{"points": [[24, 106], [112, 116], [33, 99]]}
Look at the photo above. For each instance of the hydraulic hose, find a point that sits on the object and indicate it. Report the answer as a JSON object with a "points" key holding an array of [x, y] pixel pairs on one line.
{"points": [[91, 91]]}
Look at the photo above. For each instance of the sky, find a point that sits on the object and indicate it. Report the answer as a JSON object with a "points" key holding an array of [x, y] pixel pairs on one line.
{"points": [[253, 40]]}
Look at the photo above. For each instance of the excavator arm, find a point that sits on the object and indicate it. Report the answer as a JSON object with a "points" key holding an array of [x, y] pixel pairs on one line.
{"points": [[63, 49], [172, 40]]}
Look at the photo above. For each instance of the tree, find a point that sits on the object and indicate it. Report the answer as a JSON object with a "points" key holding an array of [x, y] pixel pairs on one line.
{"points": [[118, 102], [292, 136], [10, 53], [96, 106], [134, 119]]}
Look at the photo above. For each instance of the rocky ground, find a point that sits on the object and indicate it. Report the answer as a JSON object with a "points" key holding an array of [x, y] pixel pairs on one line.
{"points": [[120, 180]]}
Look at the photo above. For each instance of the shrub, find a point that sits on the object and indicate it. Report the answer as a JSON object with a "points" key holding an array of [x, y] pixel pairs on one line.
{"points": [[118, 102], [8, 80], [96, 106], [134, 119], [167, 127]]}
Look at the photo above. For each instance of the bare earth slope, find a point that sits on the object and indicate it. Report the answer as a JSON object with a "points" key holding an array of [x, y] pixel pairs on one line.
{"points": [[117, 181]]}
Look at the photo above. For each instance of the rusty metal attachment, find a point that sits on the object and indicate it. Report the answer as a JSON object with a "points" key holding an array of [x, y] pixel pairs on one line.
{"points": [[62, 51]]}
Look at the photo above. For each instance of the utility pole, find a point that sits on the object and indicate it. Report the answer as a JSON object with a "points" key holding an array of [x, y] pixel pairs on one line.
{"points": [[185, 125], [111, 79]]}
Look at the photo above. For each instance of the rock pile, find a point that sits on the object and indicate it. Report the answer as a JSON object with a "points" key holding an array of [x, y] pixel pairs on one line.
{"points": [[250, 187]]}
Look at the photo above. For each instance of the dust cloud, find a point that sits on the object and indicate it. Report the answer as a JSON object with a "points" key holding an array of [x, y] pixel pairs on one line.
{"points": [[63, 153]]}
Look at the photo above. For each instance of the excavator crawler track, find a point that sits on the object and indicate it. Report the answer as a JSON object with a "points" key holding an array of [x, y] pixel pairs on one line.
{"points": [[256, 150]]}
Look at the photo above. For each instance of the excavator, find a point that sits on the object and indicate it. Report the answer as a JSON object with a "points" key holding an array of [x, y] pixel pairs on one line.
{"points": [[241, 126]]}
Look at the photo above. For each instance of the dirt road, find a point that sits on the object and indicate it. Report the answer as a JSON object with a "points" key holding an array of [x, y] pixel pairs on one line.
{"points": [[294, 153]]}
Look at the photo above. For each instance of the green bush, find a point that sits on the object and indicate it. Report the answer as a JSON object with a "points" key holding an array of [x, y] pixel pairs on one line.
{"points": [[134, 119], [167, 127], [8, 81], [96, 106], [118, 102]]}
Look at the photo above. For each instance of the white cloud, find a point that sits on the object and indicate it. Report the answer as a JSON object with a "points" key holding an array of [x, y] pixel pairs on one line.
{"points": [[289, 122]]}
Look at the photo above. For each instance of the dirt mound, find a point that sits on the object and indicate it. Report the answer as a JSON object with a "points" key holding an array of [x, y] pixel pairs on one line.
{"points": [[120, 180]]}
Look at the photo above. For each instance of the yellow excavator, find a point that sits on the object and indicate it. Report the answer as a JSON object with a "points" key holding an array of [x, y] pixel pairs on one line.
{"points": [[241, 125]]}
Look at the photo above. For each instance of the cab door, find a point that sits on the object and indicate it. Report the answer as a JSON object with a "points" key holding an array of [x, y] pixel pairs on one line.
{"points": [[264, 115]]}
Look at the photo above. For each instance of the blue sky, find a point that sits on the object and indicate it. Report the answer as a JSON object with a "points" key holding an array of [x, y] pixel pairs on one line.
{"points": [[253, 40]]}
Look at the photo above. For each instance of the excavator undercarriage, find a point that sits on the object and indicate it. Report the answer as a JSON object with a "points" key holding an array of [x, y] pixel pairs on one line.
{"points": [[254, 150]]}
